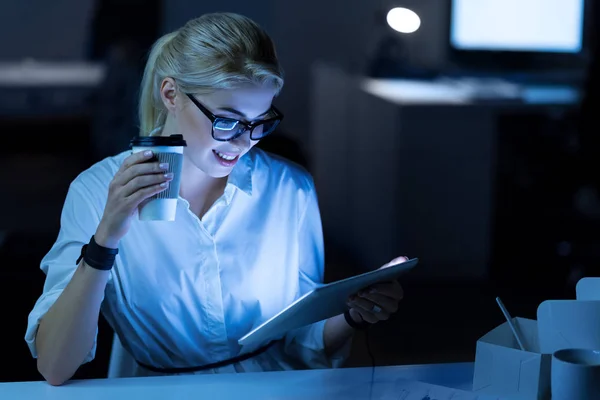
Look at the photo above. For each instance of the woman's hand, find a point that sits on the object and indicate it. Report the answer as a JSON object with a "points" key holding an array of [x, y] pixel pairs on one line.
{"points": [[135, 181], [378, 302]]}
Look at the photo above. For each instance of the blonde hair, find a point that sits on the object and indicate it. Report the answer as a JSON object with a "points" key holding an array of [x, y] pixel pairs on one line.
{"points": [[211, 52]]}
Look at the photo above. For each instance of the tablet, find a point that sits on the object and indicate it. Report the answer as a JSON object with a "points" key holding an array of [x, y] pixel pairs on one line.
{"points": [[321, 303]]}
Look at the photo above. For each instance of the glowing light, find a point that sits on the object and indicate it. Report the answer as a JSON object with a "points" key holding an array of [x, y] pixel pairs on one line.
{"points": [[403, 20]]}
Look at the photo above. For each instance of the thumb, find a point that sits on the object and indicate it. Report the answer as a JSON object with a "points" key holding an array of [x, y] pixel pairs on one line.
{"points": [[397, 260]]}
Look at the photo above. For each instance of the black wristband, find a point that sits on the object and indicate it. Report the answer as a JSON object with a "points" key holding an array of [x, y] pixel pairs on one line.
{"points": [[361, 326], [98, 257]]}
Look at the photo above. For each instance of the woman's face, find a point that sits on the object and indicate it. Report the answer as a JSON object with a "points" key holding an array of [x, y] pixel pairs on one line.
{"points": [[216, 158]]}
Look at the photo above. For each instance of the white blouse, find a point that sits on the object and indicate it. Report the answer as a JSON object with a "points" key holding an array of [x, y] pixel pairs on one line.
{"points": [[182, 293]]}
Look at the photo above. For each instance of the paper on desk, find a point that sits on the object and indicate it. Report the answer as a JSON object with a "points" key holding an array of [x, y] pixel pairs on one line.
{"points": [[413, 390]]}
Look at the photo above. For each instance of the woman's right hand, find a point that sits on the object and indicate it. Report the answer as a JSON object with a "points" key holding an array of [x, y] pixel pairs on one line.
{"points": [[135, 181]]}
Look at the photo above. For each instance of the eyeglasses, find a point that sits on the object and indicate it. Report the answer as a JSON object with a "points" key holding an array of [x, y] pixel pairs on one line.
{"points": [[226, 129]]}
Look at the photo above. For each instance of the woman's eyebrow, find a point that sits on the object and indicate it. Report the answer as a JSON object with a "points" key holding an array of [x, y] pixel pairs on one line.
{"points": [[241, 114]]}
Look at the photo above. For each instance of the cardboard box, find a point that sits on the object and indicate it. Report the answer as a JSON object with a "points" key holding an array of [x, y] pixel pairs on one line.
{"points": [[503, 369], [588, 288], [568, 324]]}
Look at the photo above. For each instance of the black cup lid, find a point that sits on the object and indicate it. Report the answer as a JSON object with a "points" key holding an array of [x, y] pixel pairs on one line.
{"points": [[151, 141]]}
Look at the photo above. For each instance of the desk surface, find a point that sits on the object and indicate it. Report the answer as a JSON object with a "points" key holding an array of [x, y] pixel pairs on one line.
{"points": [[33, 74], [346, 383], [468, 92]]}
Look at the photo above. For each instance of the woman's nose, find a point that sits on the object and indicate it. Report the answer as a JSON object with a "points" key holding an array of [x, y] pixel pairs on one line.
{"points": [[243, 141]]}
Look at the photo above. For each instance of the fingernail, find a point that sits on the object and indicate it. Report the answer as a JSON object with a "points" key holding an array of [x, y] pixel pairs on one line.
{"points": [[163, 165], [169, 175], [148, 153], [164, 184]]}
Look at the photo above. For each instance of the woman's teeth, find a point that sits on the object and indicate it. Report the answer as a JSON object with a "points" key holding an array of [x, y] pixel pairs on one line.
{"points": [[225, 157]]}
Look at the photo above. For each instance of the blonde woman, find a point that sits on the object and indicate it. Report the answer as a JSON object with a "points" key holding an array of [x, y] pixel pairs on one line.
{"points": [[246, 242]]}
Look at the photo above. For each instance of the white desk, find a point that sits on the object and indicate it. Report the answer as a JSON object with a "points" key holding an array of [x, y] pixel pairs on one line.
{"points": [[468, 92], [348, 383], [36, 74]]}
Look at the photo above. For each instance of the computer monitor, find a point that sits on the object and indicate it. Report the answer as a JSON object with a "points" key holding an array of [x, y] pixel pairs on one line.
{"points": [[522, 34]]}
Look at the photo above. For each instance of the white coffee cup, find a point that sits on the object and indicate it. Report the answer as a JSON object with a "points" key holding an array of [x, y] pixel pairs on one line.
{"points": [[575, 374], [166, 149]]}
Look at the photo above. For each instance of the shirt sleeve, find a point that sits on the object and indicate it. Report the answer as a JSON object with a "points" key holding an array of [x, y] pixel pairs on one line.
{"points": [[306, 344], [79, 220]]}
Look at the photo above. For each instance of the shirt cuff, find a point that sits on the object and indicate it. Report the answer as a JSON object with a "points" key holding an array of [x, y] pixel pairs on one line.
{"points": [[33, 322], [307, 345]]}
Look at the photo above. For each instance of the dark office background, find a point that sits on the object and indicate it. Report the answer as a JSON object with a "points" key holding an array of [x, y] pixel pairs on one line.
{"points": [[545, 217]]}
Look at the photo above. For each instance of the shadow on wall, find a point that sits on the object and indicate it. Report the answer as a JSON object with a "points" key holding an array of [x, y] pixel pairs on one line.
{"points": [[114, 120]]}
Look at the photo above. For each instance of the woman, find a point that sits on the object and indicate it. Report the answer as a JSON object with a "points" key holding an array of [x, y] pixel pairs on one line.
{"points": [[246, 242]]}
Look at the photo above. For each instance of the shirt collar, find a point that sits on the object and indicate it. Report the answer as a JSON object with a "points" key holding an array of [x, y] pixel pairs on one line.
{"points": [[241, 175]]}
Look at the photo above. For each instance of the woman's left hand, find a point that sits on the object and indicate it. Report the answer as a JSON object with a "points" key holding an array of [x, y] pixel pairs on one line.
{"points": [[378, 302]]}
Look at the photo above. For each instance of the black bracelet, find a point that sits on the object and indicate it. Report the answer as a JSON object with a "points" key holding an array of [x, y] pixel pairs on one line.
{"points": [[356, 325], [98, 257]]}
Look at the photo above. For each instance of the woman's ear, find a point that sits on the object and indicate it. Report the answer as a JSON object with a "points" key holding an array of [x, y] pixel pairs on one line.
{"points": [[168, 93]]}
